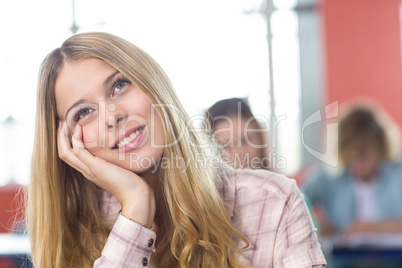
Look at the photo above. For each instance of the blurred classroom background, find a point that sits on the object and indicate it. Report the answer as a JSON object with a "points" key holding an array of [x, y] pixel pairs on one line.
{"points": [[296, 62]]}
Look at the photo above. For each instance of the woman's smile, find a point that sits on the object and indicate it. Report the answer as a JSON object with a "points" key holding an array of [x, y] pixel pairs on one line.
{"points": [[130, 140]]}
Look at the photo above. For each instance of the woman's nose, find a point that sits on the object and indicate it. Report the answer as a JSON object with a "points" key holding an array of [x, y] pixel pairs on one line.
{"points": [[115, 121]]}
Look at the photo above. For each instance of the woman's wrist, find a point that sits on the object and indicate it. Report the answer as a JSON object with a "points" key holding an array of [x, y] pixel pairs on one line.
{"points": [[140, 210], [133, 220]]}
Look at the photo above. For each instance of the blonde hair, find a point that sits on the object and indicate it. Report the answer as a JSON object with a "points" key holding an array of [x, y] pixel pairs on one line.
{"points": [[65, 221]]}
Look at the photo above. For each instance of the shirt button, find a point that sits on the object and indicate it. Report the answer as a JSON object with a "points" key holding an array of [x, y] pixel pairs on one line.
{"points": [[144, 261], [150, 242]]}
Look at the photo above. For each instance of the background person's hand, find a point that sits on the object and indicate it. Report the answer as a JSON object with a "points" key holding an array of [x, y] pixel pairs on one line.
{"points": [[326, 228], [374, 227], [135, 195]]}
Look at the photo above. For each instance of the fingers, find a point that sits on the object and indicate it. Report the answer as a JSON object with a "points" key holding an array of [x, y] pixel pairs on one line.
{"points": [[122, 183], [99, 170], [79, 148], [66, 152], [94, 164], [63, 144], [76, 139]]}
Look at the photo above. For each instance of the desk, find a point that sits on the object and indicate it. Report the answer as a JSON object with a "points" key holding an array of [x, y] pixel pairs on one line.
{"points": [[364, 251]]}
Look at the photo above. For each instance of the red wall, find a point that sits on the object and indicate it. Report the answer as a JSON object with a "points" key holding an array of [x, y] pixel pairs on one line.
{"points": [[11, 211], [363, 52]]}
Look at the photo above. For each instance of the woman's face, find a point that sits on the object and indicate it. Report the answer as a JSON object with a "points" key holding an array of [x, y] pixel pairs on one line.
{"points": [[241, 142], [119, 123]]}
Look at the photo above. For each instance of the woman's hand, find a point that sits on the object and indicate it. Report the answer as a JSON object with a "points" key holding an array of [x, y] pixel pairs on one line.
{"points": [[134, 194]]}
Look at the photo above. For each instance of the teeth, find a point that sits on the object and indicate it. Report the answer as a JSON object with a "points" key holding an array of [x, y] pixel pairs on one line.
{"points": [[128, 139]]}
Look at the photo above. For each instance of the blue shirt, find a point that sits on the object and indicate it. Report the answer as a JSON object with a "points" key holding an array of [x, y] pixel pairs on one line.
{"points": [[336, 195]]}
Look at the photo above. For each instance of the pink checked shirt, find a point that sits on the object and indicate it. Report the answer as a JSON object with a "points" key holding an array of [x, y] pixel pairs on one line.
{"points": [[267, 208]]}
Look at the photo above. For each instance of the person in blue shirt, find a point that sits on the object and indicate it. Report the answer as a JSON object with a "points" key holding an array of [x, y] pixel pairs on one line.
{"points": [[366, 196]]}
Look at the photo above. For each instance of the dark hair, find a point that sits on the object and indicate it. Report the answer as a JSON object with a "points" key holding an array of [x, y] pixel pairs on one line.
{"points": [[228, 107], [234, 107], [359, 130]]}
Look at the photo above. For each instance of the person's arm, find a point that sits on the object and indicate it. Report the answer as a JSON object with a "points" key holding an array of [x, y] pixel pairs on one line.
{"points": [[316, 191], [129, 243], [316, 188], [296, 243], [384, 226]]}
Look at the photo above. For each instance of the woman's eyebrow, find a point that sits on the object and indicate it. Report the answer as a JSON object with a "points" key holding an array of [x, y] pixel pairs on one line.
{"points": [[109, 79], [104, 84], [74, 105]]}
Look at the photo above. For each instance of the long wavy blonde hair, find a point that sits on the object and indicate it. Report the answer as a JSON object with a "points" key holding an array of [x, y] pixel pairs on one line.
{"points": [[65, 221]]}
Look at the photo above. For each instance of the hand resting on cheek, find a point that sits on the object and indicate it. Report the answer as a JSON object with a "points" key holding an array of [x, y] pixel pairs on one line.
{"points": [[131, 190]]}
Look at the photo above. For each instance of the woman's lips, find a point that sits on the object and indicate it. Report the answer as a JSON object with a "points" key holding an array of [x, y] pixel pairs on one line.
{"points": [[130, 140]]}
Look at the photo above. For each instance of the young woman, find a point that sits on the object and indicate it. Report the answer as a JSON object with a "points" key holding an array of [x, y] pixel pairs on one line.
{"points": [[121, 179], [239, 133]]}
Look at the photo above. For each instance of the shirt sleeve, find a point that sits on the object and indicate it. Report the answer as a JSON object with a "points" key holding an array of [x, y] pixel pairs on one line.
{"points": [[129, 245], [296, 243]]}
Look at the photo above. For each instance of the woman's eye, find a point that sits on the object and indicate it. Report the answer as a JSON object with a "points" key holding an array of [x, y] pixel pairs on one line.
{"points": [[82, 113], [225, 145], [119, 86]]}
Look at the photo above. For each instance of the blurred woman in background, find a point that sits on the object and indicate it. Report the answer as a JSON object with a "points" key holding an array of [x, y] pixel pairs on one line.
{"points": [[239, 133]]}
